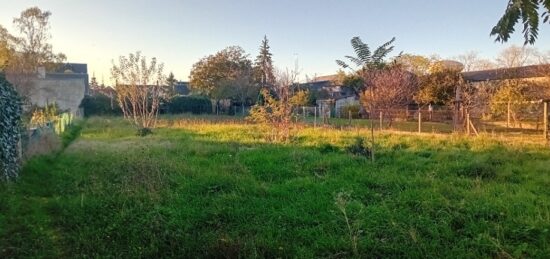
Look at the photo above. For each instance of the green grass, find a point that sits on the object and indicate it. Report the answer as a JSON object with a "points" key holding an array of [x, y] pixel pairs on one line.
{"points": [[197, 188]]}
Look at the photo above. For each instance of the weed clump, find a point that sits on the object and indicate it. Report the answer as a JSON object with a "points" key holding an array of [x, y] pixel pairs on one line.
{"points": [[142, 132], [477, 169], [328, 148], [359, 148]]}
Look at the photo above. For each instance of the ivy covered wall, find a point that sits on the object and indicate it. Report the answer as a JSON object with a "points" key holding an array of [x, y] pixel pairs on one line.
{"points": [[10, 119]]}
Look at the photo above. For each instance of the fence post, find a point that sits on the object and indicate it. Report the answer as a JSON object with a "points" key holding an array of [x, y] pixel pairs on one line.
{"points": [[419, 122], [349, 115], [315, 117], [546, 120], [304, 112], [381, 114]]}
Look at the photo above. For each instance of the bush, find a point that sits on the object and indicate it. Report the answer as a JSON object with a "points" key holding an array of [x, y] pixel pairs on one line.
{"points": [[359, 148], [353, 108], [188, 104], [142, 132], [100, 104]]}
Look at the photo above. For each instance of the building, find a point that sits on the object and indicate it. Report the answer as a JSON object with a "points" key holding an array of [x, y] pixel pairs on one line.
{"points": [[65, 86], [331, 97], [182, 88]]}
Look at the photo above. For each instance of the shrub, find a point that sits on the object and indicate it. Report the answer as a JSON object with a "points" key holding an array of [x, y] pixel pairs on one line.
{"points": [[328, 148], [100, 104], [188, 104], [353, 108], [142, 132], [359, 148]]}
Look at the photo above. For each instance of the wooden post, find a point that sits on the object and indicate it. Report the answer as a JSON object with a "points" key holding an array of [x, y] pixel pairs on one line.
{"points": [[546, 120], [381, 117], [419, 122], [349, 115], [304, 112], [315, 117]]}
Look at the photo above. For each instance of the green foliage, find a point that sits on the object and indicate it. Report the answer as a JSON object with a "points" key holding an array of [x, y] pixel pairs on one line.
{"points": [[189, 104], [354, 109], [212, 72], [142, 132], [365, 59], [100, 105], [359, 148], [352, 80], [275, 114], [438, 87], [528, 11], [10, 125], [263, 66]]}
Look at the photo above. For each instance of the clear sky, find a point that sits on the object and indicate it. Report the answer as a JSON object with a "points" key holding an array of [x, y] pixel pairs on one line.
{"points": [[313, 32]]}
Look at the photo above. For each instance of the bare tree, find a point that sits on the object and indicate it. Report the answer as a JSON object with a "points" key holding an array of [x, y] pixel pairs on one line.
{"points": [[472, 62], [138, 89], [515, 56], [388, 89]]}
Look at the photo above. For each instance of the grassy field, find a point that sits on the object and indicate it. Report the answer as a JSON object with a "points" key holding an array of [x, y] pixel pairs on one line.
{"points": [[202, 188]]}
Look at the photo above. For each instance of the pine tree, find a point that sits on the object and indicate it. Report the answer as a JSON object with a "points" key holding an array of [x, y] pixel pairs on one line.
{"points": [[264, 66], [171, 84]]}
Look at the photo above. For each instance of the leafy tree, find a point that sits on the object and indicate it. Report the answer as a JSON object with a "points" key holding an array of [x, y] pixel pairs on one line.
{"points": [[211, 72], [526, 10], [241, 88], [264, 65], [416, 64], [138, 89], [352, 80], [6, 47], [31, 49], [365, 61], [438, 87], [10, 118]]}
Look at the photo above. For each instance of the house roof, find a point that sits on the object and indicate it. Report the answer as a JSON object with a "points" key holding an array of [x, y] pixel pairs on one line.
{"points": [[508, 73], [325, 78]]}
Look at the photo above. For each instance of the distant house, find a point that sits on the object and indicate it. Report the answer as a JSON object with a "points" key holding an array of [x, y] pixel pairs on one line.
{"points": [[182, 88], [331, 96], [66, 86], [534, 71]]}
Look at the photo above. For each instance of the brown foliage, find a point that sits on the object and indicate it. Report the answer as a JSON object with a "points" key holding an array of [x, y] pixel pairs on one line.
{"points": [[388, 88]]}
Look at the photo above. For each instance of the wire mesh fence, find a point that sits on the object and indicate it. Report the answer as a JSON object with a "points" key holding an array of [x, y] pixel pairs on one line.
{"points": [[528, 120]]}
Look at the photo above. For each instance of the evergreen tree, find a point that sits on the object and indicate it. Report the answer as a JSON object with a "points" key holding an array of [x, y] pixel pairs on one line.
{"points": [[171, 84], [264, 65]]}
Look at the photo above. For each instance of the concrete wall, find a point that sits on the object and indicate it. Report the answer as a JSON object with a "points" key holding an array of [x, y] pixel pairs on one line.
{"points": [[67, 93]]}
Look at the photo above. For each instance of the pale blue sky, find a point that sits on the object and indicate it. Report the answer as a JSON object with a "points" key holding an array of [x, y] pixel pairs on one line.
{"points": [[315, 32]]}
